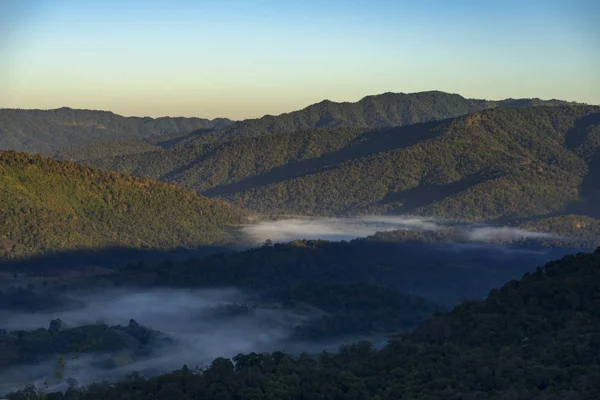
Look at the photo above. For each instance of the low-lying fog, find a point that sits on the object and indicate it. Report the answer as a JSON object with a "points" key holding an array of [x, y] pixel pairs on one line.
{"points": [[336, 229], [189, 317]]}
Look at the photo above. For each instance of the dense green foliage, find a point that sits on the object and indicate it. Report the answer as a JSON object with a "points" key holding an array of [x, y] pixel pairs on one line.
{"points": [[50, 205], [384, 110], [536, 338], [504, 164], [351, 309], [570, 225], [30, 347], [498, 164], [443, 273], [65, 129]]}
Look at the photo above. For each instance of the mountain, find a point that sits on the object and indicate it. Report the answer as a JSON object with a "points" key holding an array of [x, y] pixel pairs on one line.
{"points": [[49, 132], [371, 112], [536, 338], [50, 205], [502, 164]]}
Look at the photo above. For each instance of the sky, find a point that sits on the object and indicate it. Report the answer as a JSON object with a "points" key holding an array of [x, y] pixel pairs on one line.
{"points": [[244, 59]]}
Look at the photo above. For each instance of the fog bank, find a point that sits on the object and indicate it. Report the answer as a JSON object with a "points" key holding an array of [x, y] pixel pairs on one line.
{"points": [[194, 319], [336, 229]]}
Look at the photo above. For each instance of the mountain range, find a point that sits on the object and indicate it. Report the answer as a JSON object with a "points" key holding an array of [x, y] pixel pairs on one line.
{"points": [[50, 132], [524, 162], [501, 164], [160, 184]]}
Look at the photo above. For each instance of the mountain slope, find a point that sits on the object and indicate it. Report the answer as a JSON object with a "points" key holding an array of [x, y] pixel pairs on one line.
{"points": [[51, 131], [50, 205], [372, 112], [506, 164], [536, 338], [378, 111]]}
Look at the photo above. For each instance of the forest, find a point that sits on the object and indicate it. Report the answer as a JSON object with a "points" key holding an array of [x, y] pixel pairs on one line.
{"points": [[510, 165], [50, 205], [533, 338], [419, 313]]}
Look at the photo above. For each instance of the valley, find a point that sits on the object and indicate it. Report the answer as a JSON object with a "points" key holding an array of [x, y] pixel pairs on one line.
{"points": [[130, 257]]}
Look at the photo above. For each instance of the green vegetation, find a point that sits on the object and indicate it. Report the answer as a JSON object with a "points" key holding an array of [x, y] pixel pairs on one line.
{"points": [[498, 164], [504, 164], [65, 129], [110, 149], [372, 112], [50, 205], [536, 338], [442, 273], [31, 347], [351, 309]]}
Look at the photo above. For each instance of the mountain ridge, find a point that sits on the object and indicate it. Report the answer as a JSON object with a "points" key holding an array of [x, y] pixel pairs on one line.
{"points": [[50, 131], [489, 159], [74, 134], [373, 111]]}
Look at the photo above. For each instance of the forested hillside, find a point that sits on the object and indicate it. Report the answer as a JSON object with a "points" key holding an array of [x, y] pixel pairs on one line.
{"points": [[378, 111], [504, 164], [50, 131], [536, 338], [442, 272], [50, 205], [372, 112]]}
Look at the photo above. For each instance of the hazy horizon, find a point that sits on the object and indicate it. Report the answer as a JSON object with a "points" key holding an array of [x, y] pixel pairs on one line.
{"points": [[267, 113], [241, 60]]}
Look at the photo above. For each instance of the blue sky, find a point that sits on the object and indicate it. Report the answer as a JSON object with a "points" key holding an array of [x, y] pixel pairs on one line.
{"points": [[243, 59]]}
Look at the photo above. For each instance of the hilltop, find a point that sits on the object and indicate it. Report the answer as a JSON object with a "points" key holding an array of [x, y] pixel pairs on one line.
{"points": [[50, 205], [371, 112]]}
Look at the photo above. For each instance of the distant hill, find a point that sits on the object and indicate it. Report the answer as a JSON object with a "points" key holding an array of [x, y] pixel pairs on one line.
{"points": [[64, 129], [503, 164], [74, 135], [50, 205], [377, 111]]}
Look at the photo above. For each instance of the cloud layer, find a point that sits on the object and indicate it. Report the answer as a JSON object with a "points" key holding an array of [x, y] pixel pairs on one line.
{"points": [[335, 229]]}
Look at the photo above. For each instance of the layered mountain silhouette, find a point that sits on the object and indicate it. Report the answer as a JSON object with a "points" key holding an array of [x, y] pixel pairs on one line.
{"points": [[525, 161], [501, 164], [74, 135], [50, 132], [384, 110]]}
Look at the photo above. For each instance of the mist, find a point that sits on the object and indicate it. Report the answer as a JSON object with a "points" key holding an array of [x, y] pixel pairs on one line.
{"points": [[493, 233], [333, 229], [190, 318], [336, 229], [194, 321]]}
